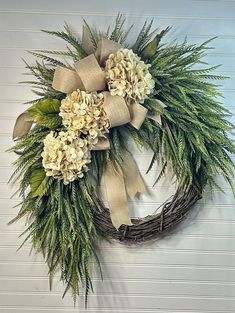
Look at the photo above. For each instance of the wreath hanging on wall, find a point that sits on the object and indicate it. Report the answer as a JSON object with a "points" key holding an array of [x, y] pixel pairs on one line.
{"points": [[75, 133]]}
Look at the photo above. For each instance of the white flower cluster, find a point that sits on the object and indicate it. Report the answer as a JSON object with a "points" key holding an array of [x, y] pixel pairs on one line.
{"points": [[128, 76], [83, 113], [65, 156]]}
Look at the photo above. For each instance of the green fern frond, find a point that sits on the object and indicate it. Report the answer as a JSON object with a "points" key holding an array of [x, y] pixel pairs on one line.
{"points": [[46, 58], [68, 36], [144, 37], [92, 34]]}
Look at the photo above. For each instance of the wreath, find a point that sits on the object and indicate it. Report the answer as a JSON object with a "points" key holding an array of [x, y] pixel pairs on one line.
{"points": [[76, 132]]}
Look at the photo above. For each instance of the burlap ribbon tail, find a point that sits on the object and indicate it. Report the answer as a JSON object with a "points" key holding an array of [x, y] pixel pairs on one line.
{"points": [[120, 183]]}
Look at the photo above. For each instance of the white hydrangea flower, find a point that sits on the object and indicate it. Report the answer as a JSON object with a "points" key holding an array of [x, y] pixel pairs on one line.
{"points": [[128, 76], [65, 156], [83, 113]]}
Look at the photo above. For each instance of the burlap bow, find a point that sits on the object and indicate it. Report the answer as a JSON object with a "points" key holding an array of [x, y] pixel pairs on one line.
{"points": [[88, 75]]}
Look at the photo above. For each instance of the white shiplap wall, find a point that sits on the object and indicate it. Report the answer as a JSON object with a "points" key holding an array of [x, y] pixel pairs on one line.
{"points": [[192, 271]]}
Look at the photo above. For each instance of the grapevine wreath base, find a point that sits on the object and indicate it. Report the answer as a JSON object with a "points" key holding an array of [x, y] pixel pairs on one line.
{"points": [[92, 98], [171, 213]]}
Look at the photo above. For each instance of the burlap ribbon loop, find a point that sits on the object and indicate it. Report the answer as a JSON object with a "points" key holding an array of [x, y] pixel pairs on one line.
{"points": [[90, 73], [106, 47], [66, 80], [138, 114], [116, 110]]}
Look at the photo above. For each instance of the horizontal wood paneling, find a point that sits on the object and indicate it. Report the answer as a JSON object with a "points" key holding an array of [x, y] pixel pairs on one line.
{"points": [[192, 269]]}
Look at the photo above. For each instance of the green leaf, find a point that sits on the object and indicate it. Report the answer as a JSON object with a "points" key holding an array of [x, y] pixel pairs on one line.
{"points": [[151, 48], [33, 111], [48, 106], [38, 181], [46, 113]]}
